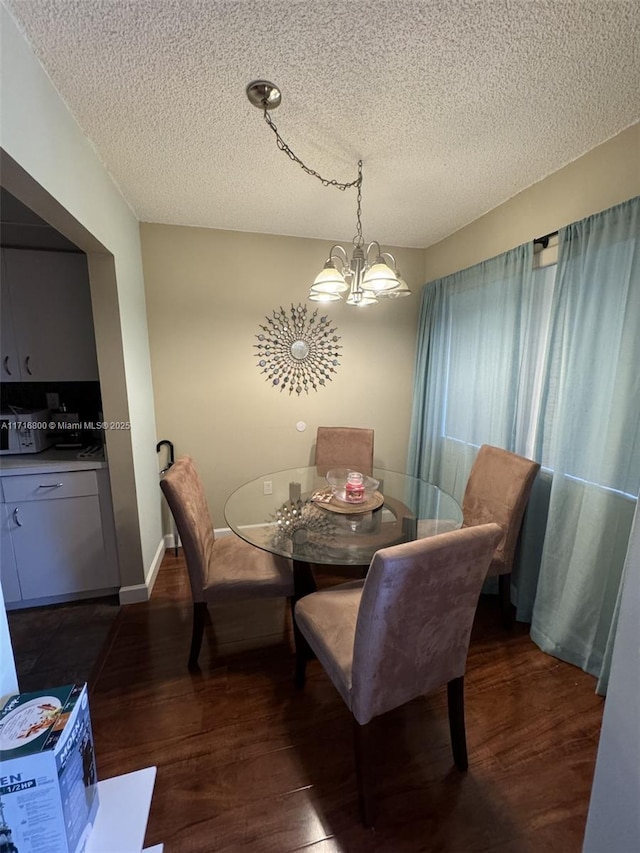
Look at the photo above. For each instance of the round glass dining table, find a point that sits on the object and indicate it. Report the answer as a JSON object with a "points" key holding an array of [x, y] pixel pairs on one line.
{"points": [[288, 513]]}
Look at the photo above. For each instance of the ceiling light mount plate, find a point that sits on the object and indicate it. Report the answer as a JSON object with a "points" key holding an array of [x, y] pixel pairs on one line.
{"points": [[264, 94]]}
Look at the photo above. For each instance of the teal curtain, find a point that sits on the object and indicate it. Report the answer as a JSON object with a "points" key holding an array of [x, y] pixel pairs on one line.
{"points": [[469, 365], [589, 434], [545, 363]]}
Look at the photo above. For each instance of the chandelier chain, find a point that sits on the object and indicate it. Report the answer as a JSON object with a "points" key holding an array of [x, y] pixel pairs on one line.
{"points": [[359, 239], [326, 182]]}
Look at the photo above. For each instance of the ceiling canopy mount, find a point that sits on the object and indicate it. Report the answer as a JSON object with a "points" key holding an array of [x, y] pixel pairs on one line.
{"points": [[264, 95]]}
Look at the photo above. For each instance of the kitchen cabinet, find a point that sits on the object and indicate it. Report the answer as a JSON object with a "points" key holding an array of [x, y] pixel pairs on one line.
{"points": [[56, 530], [10, 364], [47, 322]]}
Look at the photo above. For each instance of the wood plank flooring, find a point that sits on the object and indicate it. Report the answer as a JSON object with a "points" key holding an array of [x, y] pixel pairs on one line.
{"points": [[61, 643], [246, 763]]}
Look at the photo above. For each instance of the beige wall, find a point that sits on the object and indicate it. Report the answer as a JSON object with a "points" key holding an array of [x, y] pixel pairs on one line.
{"points": [[208, 292], [605, 176]]}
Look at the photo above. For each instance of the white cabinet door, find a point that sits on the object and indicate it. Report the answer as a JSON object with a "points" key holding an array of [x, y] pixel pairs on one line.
{"points": [[50, 302], [58, 546], [57, 538], [8, 570], [10, 364]]}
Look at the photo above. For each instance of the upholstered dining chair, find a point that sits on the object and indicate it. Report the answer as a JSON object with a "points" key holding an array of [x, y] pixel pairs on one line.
{"points": [[344, 447], [498, 489], [220, 569], [402, 632]]}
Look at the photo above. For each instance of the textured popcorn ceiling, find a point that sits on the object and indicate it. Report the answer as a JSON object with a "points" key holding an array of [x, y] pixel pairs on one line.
{"points": [[453, 105]]}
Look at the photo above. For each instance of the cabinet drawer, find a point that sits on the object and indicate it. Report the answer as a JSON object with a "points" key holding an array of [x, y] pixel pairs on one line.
{"points": [[39, 487]]}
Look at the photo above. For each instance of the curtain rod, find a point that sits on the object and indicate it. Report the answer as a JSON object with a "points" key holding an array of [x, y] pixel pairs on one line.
{"points": [[544, 241]]}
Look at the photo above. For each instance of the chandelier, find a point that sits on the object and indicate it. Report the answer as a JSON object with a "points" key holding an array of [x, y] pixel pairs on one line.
{"points": [[367, 274]]}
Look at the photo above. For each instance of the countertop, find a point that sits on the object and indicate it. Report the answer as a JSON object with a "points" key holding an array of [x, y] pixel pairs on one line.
{"points": [[48, 461]]}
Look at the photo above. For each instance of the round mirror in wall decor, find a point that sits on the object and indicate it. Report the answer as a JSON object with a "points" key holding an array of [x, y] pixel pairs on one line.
{"points": [[296, 351]]}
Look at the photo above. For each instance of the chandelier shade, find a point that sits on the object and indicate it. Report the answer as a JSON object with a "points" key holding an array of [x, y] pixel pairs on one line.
{"points": [[364, 280], [379, 277], [323, 296], [401, 290], [361, 299], [329, 280]]}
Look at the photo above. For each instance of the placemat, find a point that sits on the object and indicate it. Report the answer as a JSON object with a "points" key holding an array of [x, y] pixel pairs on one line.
{"points": [[334, 505]]}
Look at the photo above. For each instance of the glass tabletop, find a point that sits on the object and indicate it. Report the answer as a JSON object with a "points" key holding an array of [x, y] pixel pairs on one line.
{"points": [[280, 513]]}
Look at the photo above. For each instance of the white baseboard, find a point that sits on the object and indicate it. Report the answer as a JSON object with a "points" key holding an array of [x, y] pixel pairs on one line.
{"points": [[172, 540], [139, 592], [134, 594]]}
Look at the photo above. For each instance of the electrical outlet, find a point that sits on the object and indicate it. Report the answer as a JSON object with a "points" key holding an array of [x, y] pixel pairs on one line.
{"points": [[268, 487]]}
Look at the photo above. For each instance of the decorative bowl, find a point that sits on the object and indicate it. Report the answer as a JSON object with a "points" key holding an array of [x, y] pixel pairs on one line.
{"points": [[337, 479]]}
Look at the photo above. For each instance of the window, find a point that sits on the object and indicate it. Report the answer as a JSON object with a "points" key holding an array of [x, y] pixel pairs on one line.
{"points": [[497, 343]]}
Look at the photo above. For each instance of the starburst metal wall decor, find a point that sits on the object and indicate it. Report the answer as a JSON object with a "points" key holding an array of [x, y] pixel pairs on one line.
{"points": [[297, 352]]}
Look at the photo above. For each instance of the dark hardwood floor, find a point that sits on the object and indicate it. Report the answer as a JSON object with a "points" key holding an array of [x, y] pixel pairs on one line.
{"points": [[62, 643], [247, 763]]}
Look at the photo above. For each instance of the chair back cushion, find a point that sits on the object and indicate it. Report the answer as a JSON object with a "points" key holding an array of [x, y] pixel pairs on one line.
{"points": [[344, 447], [415, 617], [187, 501], [498, 490]]}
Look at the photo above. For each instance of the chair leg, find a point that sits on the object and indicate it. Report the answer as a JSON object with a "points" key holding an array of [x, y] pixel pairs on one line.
{"points": [[455, 696], [363, 743], [504, 592], [200, 612]]}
